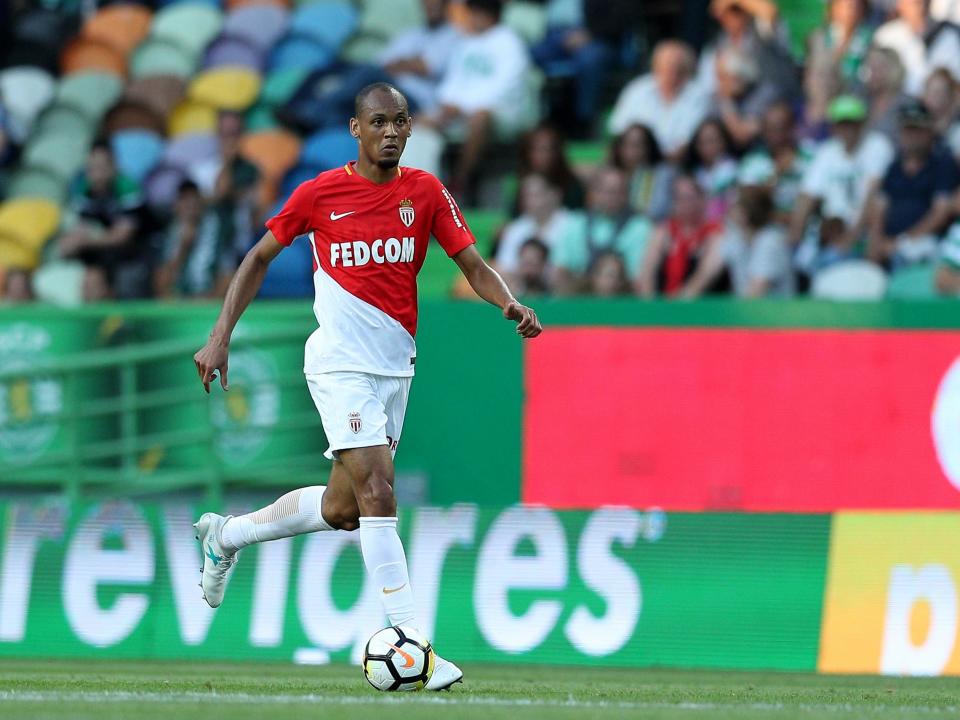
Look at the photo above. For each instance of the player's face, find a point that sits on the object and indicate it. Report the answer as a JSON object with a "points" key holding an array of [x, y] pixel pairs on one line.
{"points": [[383, 128]]}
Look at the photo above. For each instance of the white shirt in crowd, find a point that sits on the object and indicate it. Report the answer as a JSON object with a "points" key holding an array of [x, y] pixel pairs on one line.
{"points": [[841, 181], [435, 46], [487, 72], [919, 60], [517, 232], [672, 123], [765, 257]]}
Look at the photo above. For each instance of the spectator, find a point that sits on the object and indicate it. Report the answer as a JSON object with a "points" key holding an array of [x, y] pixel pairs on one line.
{"points": [[542, 152], [668, 101], [607, 224], [6, 141], [947, 277], [587, 35], [781, 151], [17, 286], [752, 26], [841, 176], [755, 247], [940, 98], [636, 152], [922, 43], [684, 252], [608, 276], [835, 54], [543, 218], [710, 161], [102, 230], [195, 263], [533, 270], [484, 88], [883, 77], [235, 192], [913, 204], [741, 96]]}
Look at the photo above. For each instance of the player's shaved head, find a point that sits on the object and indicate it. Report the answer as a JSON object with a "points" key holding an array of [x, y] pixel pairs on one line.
{"points": [[374, 91]]}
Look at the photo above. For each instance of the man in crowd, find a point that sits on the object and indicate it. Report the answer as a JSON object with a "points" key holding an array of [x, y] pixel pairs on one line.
{"points": [[922, 43], [742, 96]]}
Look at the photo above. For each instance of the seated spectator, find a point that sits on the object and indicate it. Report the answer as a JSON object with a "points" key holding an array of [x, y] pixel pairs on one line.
{"points": [[913, 204], [835, 53], [781, 150], [606, 225], [883, 77], [682, 257], [635, 151], [532, 276], [752, 26], [484, 90], [542, 152], [841, 176], [947, 277], [941, 99], [922, 43], [17, 286], [101, 231], [741, 98], [543, 219], [668, 100], [197, 259], [755, 247], [710, 161], [587, 36], [608, 276], [236, 199]]}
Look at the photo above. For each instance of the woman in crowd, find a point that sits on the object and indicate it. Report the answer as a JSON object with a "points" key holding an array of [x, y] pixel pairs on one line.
{"points": [[608, 276], [675, 261], [940, 99], [637, 153], [542, 151], [543, 218], [710, 160], [883, 78]]}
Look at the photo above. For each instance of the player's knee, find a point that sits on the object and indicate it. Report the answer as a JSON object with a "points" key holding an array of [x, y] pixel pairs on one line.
{"points": [[342, 518], [375, 497]]}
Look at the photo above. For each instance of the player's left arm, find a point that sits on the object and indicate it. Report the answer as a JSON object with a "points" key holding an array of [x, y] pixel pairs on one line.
{"points": [[488, 284]]}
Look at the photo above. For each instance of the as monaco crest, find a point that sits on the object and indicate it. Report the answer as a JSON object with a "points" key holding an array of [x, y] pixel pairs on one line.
{"points": [[355, 424], [406, 212]]}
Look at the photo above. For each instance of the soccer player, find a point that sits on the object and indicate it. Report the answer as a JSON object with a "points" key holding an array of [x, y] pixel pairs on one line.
{"points": [[369, 223]]}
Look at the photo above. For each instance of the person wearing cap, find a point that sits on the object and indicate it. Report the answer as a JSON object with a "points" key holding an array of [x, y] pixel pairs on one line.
{"points": [[843, 172], [922, 43], [912, 205]]}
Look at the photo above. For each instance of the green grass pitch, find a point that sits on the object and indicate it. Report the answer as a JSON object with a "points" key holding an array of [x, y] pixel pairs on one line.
{"points": [[58, 690]]}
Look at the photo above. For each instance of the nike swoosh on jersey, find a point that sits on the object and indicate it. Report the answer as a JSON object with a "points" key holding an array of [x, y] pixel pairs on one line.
{"points": [[335, 216]]}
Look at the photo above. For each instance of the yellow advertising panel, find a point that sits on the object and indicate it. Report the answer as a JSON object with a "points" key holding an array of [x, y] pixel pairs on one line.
{"points": [[891, 602]]}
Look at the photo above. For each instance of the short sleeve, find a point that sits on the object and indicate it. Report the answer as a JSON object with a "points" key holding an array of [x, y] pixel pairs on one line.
{"points": [[769, 259], [294, 218], [449, 227]]}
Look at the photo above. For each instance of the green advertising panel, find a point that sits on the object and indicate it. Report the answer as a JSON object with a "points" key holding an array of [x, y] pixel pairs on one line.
{"points": [[614, 586]]}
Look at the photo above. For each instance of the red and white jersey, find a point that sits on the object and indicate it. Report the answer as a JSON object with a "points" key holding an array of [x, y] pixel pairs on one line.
{"points": [[369, 242]]}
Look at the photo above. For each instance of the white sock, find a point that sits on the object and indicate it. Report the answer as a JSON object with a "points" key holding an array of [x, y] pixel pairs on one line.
{"points": [[295, 513], [383, 555]]}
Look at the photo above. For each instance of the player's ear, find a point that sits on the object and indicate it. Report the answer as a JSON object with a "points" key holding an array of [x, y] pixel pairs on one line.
{"points": [[355, 127]]}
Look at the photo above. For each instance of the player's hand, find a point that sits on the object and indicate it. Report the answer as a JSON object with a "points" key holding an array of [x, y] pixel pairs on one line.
{"points": [[528, 326], [209, 359]]}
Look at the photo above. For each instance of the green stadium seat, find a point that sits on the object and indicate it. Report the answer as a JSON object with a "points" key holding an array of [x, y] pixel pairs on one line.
{"points": [[913, 283], [93, 93], [228, 88], [527, 19], [62, 155], [190, 25], [385, 18], [260, 117], [363, 48], [587, 152], [62, 119], [162, 57], [280, 85], [37, 183]]}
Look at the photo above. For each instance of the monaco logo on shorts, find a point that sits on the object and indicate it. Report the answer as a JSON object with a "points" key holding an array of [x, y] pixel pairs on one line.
{"points": [[355, 423], [406, 211], [358, 252]]}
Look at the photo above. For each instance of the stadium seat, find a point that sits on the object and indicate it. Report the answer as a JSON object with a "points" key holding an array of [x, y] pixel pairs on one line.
{"points": [[329, 23], [261, 25], [190, 25], [137, 152], [133, 115], [162, 57], [190, 117], [62, 155], [239, 4], [303, 53], [274, 152], [84, 55], [280, 85], [363, 49], [290, 274], [121, 26], [60, 283], [527, 19], [62, 119], [160, 92], [25, 226], [385, 18], [25, 92], [91, 92], [226, 88], [329, 148], [36, 183], [185, 151], [295, 177], [850, 280], [915, 282], [160, 188], [260, 117], [228, 51]]}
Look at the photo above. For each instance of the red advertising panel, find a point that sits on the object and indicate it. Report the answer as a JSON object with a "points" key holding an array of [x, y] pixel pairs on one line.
{"points": [[758, 420]]}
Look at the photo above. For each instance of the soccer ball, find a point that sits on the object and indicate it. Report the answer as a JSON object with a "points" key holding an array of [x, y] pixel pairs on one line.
{"points": [[398, 658]]}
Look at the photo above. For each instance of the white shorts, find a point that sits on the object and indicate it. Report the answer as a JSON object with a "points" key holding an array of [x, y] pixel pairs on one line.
{"points": [[359, 409]]}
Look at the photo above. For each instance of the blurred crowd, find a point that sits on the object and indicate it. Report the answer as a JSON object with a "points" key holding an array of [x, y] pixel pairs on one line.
{"points": [[724, 159]]}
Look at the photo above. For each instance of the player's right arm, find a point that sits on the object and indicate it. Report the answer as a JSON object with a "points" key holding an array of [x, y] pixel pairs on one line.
{"points": [[246, 282]]}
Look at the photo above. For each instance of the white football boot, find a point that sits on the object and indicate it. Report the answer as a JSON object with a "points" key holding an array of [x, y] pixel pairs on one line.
{"points": [[445, 674], [217, 562]]}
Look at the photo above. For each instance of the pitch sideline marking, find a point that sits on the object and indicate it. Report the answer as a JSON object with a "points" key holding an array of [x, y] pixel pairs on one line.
{"points": [[287, 699]]}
